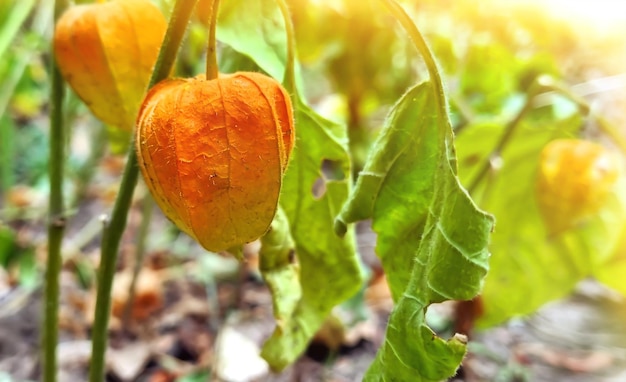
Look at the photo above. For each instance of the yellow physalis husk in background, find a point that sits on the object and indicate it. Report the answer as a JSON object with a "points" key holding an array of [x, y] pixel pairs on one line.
{"points": [[574, 179], [106, 52]]}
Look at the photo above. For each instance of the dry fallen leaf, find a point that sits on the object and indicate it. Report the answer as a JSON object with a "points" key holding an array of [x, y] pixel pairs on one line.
{"points": [[237, 358], [378, 295], [128, 362], [148, 294], [581, 363], [22, 196]]}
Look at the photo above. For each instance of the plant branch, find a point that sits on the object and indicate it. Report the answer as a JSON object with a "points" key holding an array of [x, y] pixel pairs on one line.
{"points": [[114, 229], [509, 129], [211, 55], [56, 218], [603, 124], [541, 86], [289, 80], [429, 59]]}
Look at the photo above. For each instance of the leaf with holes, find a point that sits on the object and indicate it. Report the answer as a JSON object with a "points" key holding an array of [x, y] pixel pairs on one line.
{"points": [[329, 266], [432, 239], [280, 270], [315, 186]]}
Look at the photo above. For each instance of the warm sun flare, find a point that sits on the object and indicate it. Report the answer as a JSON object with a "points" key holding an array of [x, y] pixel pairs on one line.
{"points": [[600, 13]]}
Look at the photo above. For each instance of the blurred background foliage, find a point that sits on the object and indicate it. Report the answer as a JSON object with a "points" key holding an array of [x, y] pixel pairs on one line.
{"points": [[355, 62]]}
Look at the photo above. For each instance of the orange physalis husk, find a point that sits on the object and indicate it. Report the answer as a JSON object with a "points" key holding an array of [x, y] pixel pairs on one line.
{"points": [[106, 52], [213, 153], [574, 179]]}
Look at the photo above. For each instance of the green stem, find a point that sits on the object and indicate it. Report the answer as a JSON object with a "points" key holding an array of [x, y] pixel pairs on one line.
{"points": [[540, 85], [140, 250], [114, 229], [465, 112], [429, 59], [212, 71], [603, 124], [289, 81], [506, 136], [56, 222]]}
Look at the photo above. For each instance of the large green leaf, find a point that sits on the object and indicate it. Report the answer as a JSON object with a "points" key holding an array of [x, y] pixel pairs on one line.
{"points": [[329, 267], [432, 239], [525, 256], [12, 16], [255, 28], [280, 270]]}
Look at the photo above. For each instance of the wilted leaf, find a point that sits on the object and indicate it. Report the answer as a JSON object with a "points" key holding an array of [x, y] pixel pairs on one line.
{"points": [[432, 239]]}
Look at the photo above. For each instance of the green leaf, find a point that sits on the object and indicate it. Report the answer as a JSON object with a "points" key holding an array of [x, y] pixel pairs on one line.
{"points": [[255, 28], [280, 270], [12, 17], [489, 76], [432, 239], [329, 267], [525, 257]]}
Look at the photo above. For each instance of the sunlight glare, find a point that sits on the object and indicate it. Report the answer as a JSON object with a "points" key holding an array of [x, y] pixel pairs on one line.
{"points": [[603, 14]]}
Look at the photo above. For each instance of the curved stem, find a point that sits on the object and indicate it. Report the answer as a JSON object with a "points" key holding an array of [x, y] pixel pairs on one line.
{"points": [[502, 142], [56, 223], [289, 81], [429, 59], [540, 86], [115, 228], [506, 136], [603, 124], [211, 55]]}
